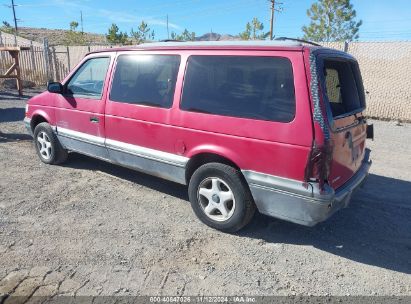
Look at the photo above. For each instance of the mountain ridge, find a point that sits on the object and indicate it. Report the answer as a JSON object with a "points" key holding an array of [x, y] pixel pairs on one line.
{"points": [[58, 36]]}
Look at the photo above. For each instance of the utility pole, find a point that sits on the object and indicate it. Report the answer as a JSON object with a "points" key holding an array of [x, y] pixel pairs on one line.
{"points": [[15, 21], [81, 21], [272, 19], [273, 10]]}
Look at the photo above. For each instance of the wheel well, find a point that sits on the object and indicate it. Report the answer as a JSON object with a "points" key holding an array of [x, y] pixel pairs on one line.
{"points": [[203, 158], [36, 120]]}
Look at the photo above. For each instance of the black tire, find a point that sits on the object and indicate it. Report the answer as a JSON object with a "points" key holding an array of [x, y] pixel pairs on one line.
{"points": [[244, 204], [57, 154]]}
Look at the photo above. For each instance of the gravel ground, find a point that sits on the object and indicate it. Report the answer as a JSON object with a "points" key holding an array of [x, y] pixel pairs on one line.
{"points": [[91, 228]]}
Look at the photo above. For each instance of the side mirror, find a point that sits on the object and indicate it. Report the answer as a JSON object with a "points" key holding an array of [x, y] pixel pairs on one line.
{"points": [[55, 87]]}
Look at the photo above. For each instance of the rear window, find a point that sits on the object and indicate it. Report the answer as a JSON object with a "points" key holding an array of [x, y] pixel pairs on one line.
{"points": [[145, 79], [240, 86], [343, 87]]}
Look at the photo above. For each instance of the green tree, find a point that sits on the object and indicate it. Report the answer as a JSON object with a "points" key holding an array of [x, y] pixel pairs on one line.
{"points": [[332, 20], [186, 35], [257, 28], [6, 24], [7, 28], [115, 36], [143, 33], [253, 31], [72, 37], [73, 25], [246, 35]]}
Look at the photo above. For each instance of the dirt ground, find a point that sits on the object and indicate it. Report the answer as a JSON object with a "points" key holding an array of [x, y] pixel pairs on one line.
{"points": [[91, 228]]}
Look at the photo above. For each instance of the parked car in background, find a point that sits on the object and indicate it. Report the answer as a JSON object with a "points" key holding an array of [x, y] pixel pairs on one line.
{"points": [[274, 126]]}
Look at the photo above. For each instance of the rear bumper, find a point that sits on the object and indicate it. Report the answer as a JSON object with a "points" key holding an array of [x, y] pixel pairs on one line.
{"points": [[295, 202]]}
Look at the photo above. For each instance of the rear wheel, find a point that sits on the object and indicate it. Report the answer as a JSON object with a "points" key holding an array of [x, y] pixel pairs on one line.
{"points": [[220, 197], [48, 146]]}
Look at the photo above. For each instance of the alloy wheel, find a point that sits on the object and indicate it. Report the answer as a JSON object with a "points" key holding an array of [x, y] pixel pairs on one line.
{"points": [[216, 199], [44, 145]]}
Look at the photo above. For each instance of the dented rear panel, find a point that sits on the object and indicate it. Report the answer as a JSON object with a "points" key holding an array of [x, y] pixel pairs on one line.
{"points": [[338, 103]]}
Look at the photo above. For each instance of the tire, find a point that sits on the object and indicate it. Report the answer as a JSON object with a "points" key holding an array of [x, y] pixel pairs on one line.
{"points": [[220, 197], [47, 145]]}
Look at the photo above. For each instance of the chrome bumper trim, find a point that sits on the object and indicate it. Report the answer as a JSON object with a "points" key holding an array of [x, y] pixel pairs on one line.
{"points": [[84, 137], [163, 164], [164, 157]]}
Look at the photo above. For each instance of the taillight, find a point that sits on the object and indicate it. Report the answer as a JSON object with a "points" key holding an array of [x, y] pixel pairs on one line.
{"points": [[27, 110], [319, 163]]}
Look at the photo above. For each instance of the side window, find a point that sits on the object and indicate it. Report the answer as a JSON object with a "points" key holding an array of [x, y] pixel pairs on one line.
{"points": [[145, 79], [89, 79], [240, 86]]}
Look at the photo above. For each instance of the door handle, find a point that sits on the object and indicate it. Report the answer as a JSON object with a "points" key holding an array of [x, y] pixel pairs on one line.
{"points": [[94, 119]]}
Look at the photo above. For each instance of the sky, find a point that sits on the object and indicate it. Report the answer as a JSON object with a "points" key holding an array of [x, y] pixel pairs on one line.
{"points": [[382, 19]]}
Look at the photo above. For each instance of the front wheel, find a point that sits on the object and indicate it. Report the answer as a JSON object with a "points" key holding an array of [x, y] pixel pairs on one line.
{"points": [[48, 147], [220, 197]]}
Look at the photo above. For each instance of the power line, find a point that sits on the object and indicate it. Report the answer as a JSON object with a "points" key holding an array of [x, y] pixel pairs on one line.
{"points": [[162, 7], [189, 13], [210, 11]]}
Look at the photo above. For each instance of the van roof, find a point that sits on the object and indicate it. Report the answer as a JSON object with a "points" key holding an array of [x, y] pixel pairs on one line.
{"points": [[223, 43], [228, 44]]}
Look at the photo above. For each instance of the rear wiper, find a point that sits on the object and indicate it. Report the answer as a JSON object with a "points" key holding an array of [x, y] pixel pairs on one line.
{"points": [[360, 118]]}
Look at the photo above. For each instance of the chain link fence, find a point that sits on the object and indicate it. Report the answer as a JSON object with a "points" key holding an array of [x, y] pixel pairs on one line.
{"points": [[384, 66]]}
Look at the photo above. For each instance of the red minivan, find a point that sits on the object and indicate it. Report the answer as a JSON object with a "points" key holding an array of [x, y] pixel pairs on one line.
{"points": [[276, 126]]}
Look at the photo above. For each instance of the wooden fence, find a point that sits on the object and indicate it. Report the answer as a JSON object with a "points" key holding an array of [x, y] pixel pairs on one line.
{"points": [[40, 64], [32, 64], [43, 63]]}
